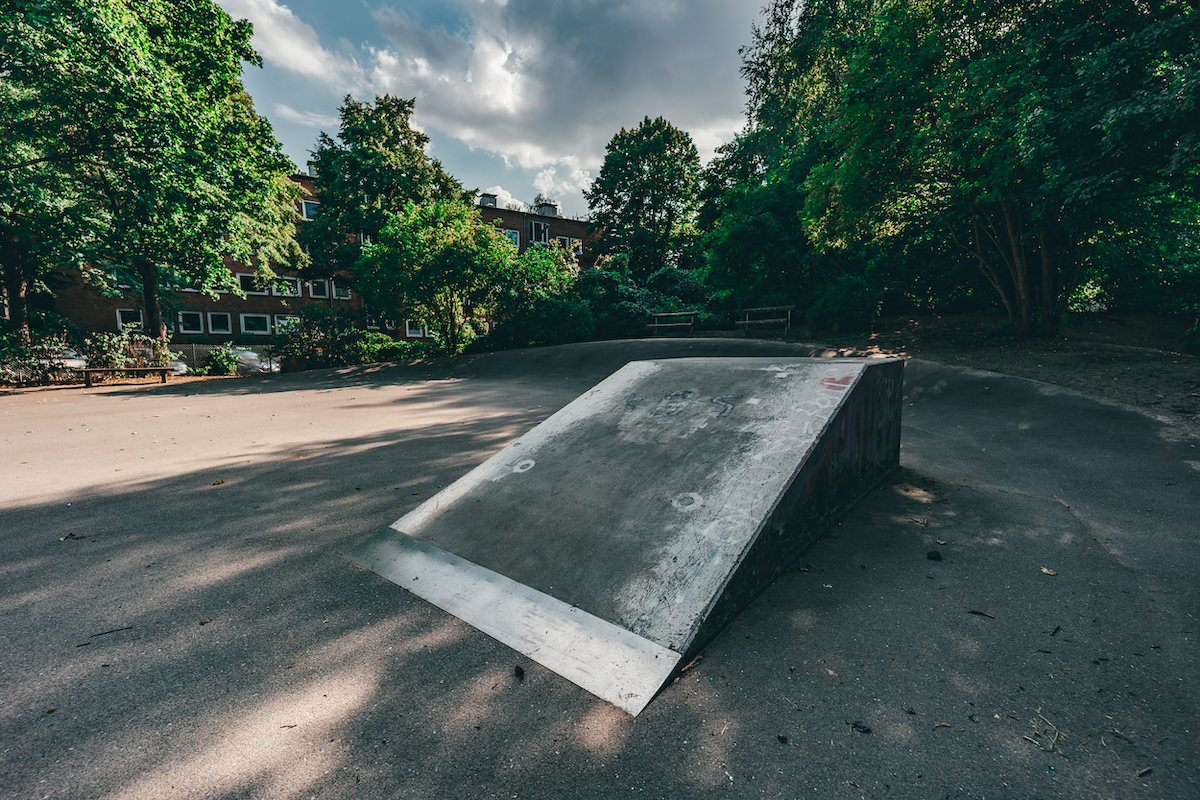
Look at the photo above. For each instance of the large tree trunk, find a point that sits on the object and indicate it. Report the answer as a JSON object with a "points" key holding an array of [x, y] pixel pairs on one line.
{"points": [[1049, 293], [1002, 263], [16, 285], [1013, 237], [152, 318]]}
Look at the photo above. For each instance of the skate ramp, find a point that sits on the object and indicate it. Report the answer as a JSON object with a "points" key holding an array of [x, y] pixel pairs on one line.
{"points": [[612, 541]]}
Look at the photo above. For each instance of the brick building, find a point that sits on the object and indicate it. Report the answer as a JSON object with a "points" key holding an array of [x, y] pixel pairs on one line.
{"points": [[264, 311]]}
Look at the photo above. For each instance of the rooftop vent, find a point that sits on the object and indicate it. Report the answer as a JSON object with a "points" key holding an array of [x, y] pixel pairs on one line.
{"points": [[548, 209], [487, 200], [312, 169]]}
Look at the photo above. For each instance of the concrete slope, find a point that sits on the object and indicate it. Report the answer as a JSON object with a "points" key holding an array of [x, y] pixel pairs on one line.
{"points": [[614, 539]]}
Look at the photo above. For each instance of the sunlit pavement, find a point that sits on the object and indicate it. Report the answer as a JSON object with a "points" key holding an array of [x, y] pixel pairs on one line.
{"points": [[172, 588]]}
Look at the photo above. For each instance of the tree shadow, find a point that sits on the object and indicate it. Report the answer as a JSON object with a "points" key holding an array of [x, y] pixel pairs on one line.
{"points": [[201, 639]]}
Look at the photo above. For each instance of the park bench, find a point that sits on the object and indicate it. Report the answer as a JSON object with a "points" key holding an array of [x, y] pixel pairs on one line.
{"points": [[779, 315], [88, 372], [667, 320]]}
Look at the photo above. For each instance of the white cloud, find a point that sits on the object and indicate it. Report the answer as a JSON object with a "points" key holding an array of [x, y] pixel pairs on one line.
{"points": [[310, 118], [546, 86], [282, 39], [573, 179], [503, 196], [543, 84]]}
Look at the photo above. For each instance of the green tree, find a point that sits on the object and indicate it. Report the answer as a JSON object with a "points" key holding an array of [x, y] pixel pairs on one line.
{"points": [[127, 124], [1032, 138], [371, 171], [1025, 131], [438, 262], [645, 196]]}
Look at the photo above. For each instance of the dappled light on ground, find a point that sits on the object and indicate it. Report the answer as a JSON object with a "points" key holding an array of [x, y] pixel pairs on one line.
{"points": [[279, 748], [175, 625]]}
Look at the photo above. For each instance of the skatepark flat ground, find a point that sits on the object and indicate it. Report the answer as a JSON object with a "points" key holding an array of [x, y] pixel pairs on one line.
{"points": [[177, 620]]}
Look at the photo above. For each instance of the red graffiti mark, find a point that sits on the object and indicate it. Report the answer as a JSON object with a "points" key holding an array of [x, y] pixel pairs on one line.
{"points": [[837, 384]]}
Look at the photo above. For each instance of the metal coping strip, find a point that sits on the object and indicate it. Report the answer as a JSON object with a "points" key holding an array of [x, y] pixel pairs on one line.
{"points": [[605, 659]]}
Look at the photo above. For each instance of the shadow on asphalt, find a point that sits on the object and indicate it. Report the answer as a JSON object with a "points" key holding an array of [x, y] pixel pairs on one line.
{"points": [[208, 640]]}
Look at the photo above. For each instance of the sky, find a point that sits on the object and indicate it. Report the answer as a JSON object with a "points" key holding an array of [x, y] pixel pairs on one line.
{"points": [[517, 96]]}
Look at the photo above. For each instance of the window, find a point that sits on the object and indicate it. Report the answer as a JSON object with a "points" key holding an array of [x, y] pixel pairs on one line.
{"points": [[308, 209], [539, 231], [565, 242], [577, 247], [290, 288], [259, 324], [318, 288], [414, 329], [191, 322], [341, 292], [389, 324], [219, 322], [514, 237], [286, 322], [129, 316], [250, 284], [372, 323]]}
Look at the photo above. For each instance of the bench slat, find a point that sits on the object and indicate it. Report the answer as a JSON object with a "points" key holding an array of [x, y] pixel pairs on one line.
{"points": [[88, 372]]}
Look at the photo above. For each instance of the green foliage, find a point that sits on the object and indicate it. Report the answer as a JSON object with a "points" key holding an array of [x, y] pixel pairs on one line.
{"points": [[322, 338], [644, 199], [441, 264], [375, 167], [125, 348], [679, 285], [33, 359], [543, 271], [848, 305], [1038, 144], [545, 321], [222, 360], [132, 152], [757, 245], [619, 307]]}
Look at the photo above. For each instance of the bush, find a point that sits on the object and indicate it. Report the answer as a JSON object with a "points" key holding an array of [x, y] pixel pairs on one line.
{"points": [[548, 320], [686, 287], [37, 361], [125, 349], [847, 305], [221, 361], [321, 338], [623, 319]]}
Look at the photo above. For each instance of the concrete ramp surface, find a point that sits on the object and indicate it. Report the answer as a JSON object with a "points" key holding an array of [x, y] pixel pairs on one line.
{"points": [[615, 539]]}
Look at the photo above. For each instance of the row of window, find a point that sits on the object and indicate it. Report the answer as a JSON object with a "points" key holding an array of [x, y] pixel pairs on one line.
{"points": [[539, 232], [221, 323], [291, 287]]}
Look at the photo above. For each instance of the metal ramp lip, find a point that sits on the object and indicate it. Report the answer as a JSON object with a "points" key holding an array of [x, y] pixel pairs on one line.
{"points": [[605, 659]]}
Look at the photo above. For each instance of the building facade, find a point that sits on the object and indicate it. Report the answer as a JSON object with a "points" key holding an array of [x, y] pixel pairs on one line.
{"points": [[267, 310]]}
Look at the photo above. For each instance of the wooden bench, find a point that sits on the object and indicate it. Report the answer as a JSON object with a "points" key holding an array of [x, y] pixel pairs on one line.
{"points": [[747, 321], [88, 372], [674, 319]]}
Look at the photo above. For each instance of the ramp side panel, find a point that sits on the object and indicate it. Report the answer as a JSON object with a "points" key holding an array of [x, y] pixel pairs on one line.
{"points": [[859, 448], [604, 659]]}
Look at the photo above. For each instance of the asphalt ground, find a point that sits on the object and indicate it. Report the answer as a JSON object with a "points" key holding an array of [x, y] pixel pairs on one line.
{"points": [[176, 620]]}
